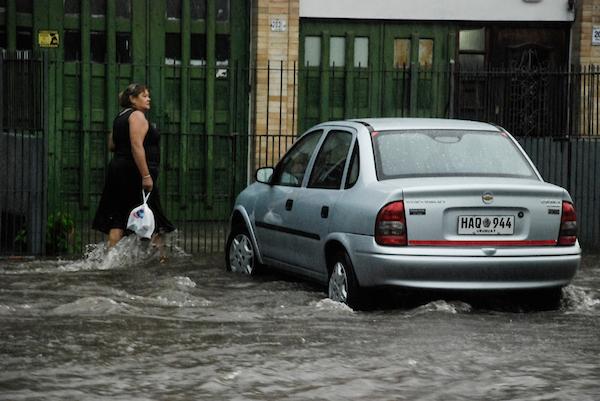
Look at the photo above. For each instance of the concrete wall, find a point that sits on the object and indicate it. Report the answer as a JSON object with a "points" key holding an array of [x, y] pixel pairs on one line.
{"points": [[440, 10]]}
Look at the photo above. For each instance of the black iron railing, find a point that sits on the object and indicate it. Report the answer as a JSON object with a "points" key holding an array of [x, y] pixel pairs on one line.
{"points": [[555, 115]]}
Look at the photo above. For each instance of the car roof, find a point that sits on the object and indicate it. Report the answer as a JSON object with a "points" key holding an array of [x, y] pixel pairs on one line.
{"points": [[383, 124]]}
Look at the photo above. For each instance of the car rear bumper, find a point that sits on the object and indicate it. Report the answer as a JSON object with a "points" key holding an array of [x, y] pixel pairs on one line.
{"points": [[466, 269]]}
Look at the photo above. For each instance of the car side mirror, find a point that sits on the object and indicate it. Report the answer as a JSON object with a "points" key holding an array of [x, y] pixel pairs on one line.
{"points": [[264, 175]]}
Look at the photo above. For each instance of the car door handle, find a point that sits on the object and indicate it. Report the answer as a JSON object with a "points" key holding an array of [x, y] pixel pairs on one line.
{"points": [[325, 212], [288, 204]]}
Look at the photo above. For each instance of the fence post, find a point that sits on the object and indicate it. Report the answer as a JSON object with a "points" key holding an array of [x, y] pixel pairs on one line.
{"points": [[414, 76], [252, 143], [451, 94], [324, 112], [184, 122], [294, 124], [45, 147], [211, 70], [233, 172], [2, 97], [4, 162], [86, 106], [281, 95], [349, 79]]}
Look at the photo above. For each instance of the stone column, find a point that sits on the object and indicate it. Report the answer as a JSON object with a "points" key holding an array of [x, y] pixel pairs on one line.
{"points": [[275, 33], [588, 17]]}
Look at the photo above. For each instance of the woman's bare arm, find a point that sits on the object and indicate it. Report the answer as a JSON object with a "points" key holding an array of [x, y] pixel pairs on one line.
{"points": [[138, 128]]}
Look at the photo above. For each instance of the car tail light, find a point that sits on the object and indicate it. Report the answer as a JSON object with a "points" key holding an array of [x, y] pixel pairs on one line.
{"points": [[568, 225], [390, 226]]}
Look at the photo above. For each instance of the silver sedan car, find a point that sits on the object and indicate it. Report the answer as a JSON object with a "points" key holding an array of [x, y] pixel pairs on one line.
{"points": [[413, 203]]}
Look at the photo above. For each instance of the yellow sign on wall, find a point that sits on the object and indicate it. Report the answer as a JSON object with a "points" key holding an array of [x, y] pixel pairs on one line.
{"points": [[48, 38]]}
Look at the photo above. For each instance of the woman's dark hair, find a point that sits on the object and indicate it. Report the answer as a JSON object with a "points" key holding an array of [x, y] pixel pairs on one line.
{"points": [[132, 90]]}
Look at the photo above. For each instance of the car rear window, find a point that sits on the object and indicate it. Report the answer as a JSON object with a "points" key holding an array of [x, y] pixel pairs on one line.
{"points": [[429, 153]]}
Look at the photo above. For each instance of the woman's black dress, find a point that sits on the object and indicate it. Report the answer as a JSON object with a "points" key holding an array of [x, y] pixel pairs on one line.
{"points": [[123, 186]]}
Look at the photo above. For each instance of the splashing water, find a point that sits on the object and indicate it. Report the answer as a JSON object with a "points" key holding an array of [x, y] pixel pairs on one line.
{"points": [[327, 304], [452, 307], [579, 299], [130, 251]]}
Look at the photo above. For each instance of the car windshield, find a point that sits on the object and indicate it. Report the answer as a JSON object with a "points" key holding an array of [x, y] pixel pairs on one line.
{"points": [[428, 153]]}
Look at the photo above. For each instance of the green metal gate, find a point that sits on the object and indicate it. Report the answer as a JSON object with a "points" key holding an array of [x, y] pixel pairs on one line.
{"points": [[376, 69], [193, 54]]}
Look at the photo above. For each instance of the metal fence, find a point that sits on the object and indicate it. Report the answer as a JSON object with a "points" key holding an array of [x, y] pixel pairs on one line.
{"points": [[22, 155], [22, 191], [573, 163], [200, 215], [527, 102], [553, 113], [531, 102]]}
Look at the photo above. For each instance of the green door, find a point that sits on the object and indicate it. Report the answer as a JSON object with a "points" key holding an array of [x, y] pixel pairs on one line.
{"points": [[372, 69], [415, 65], [338, 72]]}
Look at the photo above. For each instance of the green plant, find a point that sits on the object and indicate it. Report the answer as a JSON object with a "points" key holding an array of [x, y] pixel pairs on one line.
{"points": [[20, 240], [59, 232]]}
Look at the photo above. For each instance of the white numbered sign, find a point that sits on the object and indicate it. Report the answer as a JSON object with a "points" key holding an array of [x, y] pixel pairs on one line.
{"points": [[596, 36]]}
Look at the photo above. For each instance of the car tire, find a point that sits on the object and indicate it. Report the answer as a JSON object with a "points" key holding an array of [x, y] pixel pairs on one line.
{"points": [[549, 298], [543, 299], [342, 284], [240, 255]]}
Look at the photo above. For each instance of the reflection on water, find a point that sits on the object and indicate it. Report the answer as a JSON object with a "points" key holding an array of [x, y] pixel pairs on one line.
{"points": [[123, 326]]}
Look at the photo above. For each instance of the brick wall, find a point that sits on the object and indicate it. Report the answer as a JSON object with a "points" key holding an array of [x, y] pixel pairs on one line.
{"points": [[588, 16], [274, 48], [584, 53]]}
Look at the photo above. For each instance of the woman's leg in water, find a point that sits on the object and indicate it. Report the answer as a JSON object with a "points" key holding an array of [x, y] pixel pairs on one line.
{"points": [[158, 242], [114, 236]]}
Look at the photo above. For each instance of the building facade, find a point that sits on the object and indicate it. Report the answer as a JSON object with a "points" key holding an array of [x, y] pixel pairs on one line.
{"points": [[234, 82]]}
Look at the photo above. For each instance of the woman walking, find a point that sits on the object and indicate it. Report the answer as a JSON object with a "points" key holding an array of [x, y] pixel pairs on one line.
{"points": [[134, 166]]}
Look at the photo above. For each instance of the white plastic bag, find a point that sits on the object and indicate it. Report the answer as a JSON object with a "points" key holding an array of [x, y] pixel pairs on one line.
{"points": [[141, 219]]}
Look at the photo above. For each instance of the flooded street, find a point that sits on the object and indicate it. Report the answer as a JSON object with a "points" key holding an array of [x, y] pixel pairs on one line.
{"points": [[125, 327]]}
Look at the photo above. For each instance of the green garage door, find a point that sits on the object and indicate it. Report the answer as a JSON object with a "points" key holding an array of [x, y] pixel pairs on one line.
{"points": [[385, 69]]}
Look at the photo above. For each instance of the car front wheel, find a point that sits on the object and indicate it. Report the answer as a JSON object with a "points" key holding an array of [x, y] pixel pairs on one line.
{"points": [[342, 281], [241, 255]]}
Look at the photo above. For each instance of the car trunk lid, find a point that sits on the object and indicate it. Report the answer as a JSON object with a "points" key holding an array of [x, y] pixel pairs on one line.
{"points": [[482, 212]]}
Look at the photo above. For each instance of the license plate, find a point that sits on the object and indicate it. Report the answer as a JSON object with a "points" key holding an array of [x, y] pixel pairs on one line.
{"points": [[486, 225]]}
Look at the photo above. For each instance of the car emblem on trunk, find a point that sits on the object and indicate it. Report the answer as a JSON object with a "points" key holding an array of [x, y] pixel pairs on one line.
{"points": [[487, 197]]}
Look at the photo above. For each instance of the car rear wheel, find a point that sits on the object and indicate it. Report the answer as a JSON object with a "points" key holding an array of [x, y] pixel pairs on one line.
{"points": [[535, 300], [241, 255], [343, 286]]}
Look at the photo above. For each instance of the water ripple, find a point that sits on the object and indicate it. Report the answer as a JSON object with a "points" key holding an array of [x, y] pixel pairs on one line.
{"points": [[94, 306], [175, 298], [135, 329]]}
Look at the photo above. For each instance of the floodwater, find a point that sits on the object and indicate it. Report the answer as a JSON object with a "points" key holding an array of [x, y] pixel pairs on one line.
{"points": [[125, 327]]}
